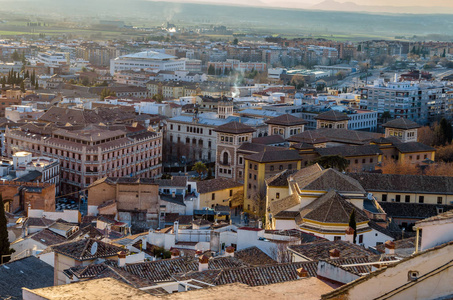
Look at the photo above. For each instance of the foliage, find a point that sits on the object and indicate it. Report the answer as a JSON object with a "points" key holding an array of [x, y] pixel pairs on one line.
{"points": [[15, 56], [161, 253], [390, 166], [235, 41], [4, 241], [106, 93], [211, 70], [353, 224], [158, 98], [333, 161], [425, 135], [443, 133], [200, 168], [298, 81]]}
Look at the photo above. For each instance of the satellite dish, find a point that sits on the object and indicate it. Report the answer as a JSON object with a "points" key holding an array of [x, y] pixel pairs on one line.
{"points": [[94, 248], [370, 196]]}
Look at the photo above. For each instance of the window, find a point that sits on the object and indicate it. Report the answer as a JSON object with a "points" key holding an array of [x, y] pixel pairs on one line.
{"points": [[418, 157], [250, 176], [363, 161], [220, 170], [254, 187], [407, 198], [255, 167], [240, 174], [231, 193], [277, 195], [240, 160], [439, 200], [421, 199], [356, 161], [250, 166], [272, 168], [280, 167], [290, 166], [337, 238], [384, 198], [171, 127], [361, 239], [225, 158], [371, 160], [250, 186], [254, 177], [398, 198]]}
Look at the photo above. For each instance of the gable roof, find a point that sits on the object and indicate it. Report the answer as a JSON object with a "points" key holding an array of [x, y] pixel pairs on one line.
{"points": [[235, 128], [323, 135], [347, 151], [320, 250], [29, 272], [254, 256], [284, 204], [413, 210], [286, 120], [404, 183], [413, 147], [331, 208], [280, 179], [332, 115], [275, 156], [448, 215], [401, 123], [217, 184], [81, 250]]}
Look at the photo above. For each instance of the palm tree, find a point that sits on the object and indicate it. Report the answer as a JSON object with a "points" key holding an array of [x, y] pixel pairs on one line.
{"points": [[200, 168]]}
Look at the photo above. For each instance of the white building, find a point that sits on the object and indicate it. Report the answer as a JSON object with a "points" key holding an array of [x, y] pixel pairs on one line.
{"points": [[146, 60], [19, 112]]}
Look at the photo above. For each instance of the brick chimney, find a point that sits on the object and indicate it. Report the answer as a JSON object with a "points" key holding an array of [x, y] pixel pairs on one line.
{"points": [[302, 273], [334, 254], [349, 235], [203, 263], [229, 251], [122, 258], [390, 247], [175, 253]]}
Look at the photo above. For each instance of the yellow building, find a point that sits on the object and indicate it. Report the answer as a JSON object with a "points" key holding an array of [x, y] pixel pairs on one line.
{"points": [[260, 166], [217, 192]]}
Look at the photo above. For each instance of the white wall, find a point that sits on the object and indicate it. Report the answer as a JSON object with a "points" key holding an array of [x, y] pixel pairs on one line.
{"points": [[335, 273], [436, 234]]}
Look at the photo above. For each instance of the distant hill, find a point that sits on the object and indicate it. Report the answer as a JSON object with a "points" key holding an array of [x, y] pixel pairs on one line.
{"points": [[332, 5], [277, 20]]}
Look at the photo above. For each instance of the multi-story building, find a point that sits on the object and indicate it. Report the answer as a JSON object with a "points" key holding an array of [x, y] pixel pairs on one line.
{"points": [[233, 64], [146, 60], [89, 153], [419, 102]]}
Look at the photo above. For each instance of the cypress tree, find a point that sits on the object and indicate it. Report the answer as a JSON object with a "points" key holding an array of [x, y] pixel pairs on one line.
{"points": [[4, 241], [353, 224]]}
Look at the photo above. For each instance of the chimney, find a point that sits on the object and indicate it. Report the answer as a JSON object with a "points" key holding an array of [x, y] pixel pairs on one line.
{"points": [[198, 253], [175, 253], [176, 230], [173, 194], [122, 258], [229, 251], [302, 273], [203, 263], [349, 235], [334, 254], [390, 247]]}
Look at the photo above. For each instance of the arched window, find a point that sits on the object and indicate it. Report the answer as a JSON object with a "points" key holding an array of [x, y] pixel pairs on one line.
{"points": [[225, 158]]}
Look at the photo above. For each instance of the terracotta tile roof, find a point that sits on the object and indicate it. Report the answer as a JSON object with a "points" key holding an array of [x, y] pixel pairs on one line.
{"points": [[255, 148], [39, 222], [280, 179], [208, 186], [269, 140], [235, 128], [48, 237], [331, 208], [81, 249], [413, 147], [162, 270], [404, 183], [254, 276], [323, 180], [344, 136], [401, 123], [286, 120], [332, 115], [275, 156], [408, 243], [320, 250], [347, 151], [448, 215], [254, 256], [413, 210], [284, 204]]}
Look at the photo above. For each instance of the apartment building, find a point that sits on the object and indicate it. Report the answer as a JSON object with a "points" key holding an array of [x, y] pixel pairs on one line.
{"points": [[237, 65], [146, 60], [91, 152], [419, 102]]}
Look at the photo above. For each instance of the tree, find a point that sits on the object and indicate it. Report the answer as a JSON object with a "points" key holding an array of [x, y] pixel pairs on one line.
{"points": [[106, 93], [211, 70], [298, 81], [333, 161], [85, 81], [200, 168], [235, 41], [158, 98], [353, 224], [425, 135], [22, 87], [15, 56], [386, 116], [443, 133], [391, 166], [4, 241]]}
